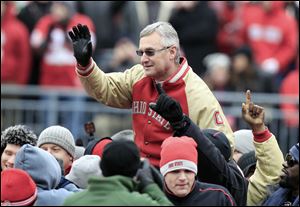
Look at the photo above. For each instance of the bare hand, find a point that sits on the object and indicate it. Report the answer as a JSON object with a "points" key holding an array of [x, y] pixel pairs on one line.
{"points": [[253, 114]]}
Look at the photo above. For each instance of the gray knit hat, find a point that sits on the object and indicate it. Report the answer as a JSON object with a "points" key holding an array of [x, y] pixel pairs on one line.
{"points": [[18, 135], [83, 168], [60, 136], [126, 134], [243, 140]]}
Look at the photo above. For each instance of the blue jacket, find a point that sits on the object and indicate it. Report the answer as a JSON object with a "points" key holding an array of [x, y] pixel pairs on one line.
{"points": [[281, 197], [45, 171]]}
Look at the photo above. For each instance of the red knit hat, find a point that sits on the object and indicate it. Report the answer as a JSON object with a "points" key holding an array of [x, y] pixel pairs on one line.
{"points": [[178, 153], [17, 188]]}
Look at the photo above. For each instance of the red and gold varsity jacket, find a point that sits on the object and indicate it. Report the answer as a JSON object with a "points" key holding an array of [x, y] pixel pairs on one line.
{"points": [[132, 89]]}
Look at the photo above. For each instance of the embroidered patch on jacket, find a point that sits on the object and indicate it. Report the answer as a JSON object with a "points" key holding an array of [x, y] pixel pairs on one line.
{"points": [[218, 118]]}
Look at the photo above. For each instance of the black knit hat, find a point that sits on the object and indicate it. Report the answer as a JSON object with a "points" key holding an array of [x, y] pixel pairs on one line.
{"points": [[246, 162], [18, 135], [220, 141], [121, 157]]}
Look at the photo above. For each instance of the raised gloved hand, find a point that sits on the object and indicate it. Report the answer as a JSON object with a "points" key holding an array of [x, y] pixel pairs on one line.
{"points": [[169, 109], [82, 44], [144, 175]]}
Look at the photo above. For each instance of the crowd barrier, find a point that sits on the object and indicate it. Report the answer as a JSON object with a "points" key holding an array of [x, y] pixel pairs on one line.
{"points": [[40, 107]]}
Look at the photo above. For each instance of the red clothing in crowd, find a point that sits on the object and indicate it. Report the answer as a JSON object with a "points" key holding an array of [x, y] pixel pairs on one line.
{"points": [[271, 34], [290, 86], [57, 65], [15, 48]]}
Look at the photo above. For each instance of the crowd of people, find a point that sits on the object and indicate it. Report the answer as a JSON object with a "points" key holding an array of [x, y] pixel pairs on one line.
{"points": [[181, 149], [196, 166], [268, 29], [227, 46]]}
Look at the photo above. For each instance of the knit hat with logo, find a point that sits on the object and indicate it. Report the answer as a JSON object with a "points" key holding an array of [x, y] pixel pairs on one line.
{"points": [[60, 136], [17, 188], [178, 153]]}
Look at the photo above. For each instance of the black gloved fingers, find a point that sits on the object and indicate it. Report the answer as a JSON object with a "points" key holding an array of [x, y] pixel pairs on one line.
{"points": [[76, 32], [86, 32], [152, 106], [81, 31], [72, 36], [164, 102], [159, 88]]}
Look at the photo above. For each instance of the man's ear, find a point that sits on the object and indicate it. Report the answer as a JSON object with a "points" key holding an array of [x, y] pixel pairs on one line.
{"points": [[173, 51]]}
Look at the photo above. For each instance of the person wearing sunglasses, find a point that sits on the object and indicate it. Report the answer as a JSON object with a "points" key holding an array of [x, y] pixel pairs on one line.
{"points": [[160, 62], [287, 190]]}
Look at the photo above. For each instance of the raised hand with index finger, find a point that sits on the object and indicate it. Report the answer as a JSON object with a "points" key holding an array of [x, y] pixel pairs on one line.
{"points": [[168, 108], [253, 114]]}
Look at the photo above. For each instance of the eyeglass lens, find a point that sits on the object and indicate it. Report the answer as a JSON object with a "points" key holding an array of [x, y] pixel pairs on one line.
{"points": [[147, 52]]}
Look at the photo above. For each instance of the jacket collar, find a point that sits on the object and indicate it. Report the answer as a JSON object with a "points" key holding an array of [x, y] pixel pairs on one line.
{"points": [[181, 71]]}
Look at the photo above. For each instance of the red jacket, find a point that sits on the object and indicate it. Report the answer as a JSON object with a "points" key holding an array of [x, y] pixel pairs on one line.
{"points": [[290, 86], [270, 34], [133, 89], [15, 49], [58, 57]]}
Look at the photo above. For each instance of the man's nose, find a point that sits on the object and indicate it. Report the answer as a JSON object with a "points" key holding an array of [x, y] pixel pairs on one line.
{"points": [[11, 161]]}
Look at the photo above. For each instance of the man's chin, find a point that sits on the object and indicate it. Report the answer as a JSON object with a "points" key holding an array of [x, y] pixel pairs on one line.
{"points": [[148, 74], [284, 183]]}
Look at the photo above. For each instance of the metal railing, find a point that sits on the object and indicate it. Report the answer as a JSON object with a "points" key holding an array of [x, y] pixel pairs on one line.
{"points": [[40, 107]]}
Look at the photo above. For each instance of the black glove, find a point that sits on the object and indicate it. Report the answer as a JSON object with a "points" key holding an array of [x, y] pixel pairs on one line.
{"points": [[157, 177], [144, 175], [82, 44], [169, 109]]}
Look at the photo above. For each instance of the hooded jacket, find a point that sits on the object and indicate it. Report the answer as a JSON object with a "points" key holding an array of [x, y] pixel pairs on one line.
{"points": [[117, 191], [46, 173]]}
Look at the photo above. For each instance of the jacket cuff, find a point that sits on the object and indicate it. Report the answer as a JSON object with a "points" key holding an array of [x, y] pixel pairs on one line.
{"points": [[85, 71], [262, 136]]}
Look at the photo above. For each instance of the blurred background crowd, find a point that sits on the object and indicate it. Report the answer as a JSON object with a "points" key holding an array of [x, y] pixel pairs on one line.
{"points": [[232, 45]]}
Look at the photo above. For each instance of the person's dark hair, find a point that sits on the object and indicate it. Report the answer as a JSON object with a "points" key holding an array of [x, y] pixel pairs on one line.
{"points": [[244, 50], [79, 142], [18, 135]]}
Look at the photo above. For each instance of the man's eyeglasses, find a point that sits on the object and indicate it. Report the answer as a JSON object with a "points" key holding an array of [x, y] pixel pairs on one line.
{"points": [[290, 160], [150, 52]]}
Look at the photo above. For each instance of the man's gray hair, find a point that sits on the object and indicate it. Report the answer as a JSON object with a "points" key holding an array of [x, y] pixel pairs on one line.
{"points": [[167, 32]]}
